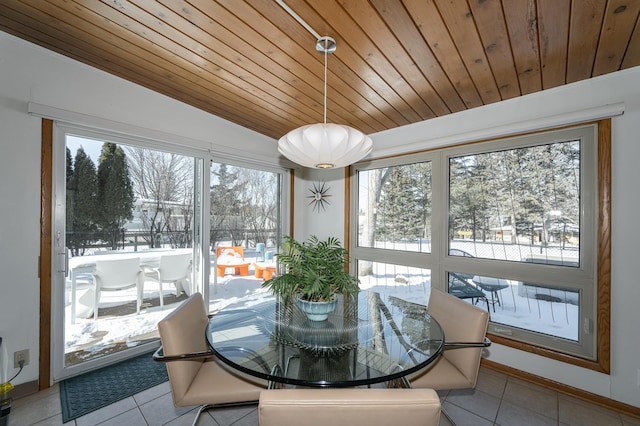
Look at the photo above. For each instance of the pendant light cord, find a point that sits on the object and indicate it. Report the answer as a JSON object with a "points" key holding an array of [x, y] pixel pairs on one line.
{"points": [[325, 85]]}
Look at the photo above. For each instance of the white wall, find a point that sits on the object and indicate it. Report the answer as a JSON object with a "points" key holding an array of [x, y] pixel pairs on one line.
{"points": [[20, 223], [29, 73], [322, 223]]}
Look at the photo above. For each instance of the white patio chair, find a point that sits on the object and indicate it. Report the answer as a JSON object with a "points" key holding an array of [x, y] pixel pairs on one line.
{"points": [[115, 275], [175, 269]]}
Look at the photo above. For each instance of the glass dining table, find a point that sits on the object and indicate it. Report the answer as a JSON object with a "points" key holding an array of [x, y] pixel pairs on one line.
{"points": [[369, 338]]}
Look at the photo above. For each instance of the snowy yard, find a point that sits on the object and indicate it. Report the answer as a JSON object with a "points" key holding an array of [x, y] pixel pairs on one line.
{"points": [[124, 327]]}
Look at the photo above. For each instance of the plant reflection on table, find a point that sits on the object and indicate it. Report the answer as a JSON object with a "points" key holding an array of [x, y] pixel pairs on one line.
{"points": [[324, 359], [326, 351]]}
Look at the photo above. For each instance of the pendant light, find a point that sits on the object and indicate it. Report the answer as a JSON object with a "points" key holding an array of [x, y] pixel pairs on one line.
{"points": [[325, 145]]}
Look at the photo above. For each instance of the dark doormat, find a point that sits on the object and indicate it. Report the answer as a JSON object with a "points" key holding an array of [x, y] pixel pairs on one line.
{"points": [[86, 393]]}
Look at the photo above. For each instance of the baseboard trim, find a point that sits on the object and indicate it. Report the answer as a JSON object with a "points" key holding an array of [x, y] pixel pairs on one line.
{"points": [[592, 398], [24, 389]]}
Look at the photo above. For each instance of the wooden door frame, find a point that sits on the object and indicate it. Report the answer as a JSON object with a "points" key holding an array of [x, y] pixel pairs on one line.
{"points": [[44, 264]]}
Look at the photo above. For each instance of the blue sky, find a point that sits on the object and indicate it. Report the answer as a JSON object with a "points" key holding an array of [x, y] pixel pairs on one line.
{"points": [[91, 147]]}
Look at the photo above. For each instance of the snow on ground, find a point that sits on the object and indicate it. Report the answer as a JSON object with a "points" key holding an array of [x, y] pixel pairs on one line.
{"points": [[558, 319], [539, 312]]}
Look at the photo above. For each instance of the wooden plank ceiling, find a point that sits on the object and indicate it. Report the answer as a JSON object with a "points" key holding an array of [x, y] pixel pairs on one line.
{"points": [[397, 61]]}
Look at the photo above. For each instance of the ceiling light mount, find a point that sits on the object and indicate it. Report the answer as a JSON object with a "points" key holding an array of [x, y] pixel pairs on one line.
{"points": [[326, 45]]}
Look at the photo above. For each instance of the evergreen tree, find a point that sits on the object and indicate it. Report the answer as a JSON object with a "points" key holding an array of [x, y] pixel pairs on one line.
{"points": [[402, 205], [70, 201], [69, 164], [532, 189], [423, 197], [83, 186], [115, 192]]}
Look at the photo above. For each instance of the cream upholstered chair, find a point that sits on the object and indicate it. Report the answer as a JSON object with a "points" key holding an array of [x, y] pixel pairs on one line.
{"points": [[465, 329], [196, 376], [349, 406], [115, 275], [175, 269]]}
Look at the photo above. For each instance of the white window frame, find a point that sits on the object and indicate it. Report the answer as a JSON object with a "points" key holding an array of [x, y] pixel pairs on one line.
{"points": [[583, 278]]}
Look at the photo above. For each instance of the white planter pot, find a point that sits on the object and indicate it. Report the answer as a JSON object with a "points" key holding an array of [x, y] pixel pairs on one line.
{"points": [[317, 311]]}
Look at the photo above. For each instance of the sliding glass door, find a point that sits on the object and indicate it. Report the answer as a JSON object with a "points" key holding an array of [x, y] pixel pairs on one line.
{"points": [[127, 245]]}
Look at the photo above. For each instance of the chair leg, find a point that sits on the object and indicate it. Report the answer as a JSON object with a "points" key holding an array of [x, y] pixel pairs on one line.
{"points": [[200, 410], [179, 286], [203, 408], [276, 370], [95, 303], [186, 287], [513, 297], [140, 295]]}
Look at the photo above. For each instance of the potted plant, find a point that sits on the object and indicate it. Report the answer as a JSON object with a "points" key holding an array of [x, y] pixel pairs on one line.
{"points": [[313, 273]]}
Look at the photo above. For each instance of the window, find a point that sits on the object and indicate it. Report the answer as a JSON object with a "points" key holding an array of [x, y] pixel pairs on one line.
{"points": [[394, 228], [510, 225], [396, 201]]}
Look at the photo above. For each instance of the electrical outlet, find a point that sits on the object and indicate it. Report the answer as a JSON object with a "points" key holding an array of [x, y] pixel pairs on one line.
{"points": [[18, 356]]}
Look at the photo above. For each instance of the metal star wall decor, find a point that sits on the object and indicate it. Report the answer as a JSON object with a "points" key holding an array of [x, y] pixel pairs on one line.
{"points": [[319, 195]]}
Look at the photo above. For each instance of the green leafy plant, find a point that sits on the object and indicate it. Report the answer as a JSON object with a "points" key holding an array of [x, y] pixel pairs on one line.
{"points": [[313, 270]]}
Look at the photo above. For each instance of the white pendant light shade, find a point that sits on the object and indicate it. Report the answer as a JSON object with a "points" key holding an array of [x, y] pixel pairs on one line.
{"points": [[325, 145]]}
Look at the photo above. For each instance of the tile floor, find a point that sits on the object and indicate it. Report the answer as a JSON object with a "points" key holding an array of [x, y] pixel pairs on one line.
{"points": [[497, 400]]}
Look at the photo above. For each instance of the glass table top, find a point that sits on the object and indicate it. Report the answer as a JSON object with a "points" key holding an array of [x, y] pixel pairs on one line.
{"points": [[368, 339]]}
